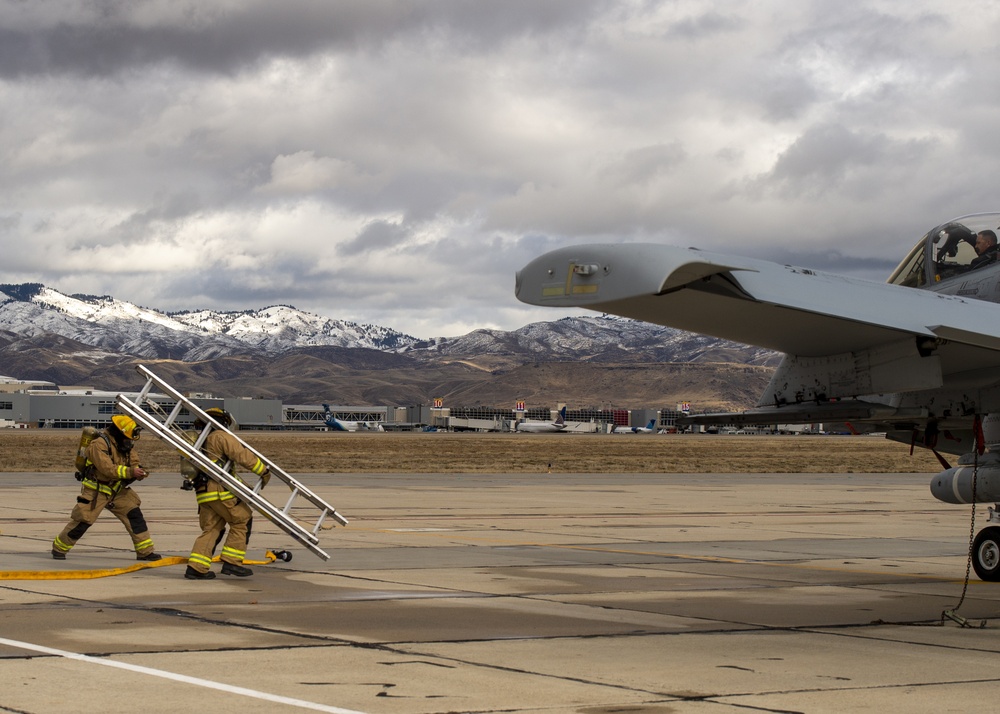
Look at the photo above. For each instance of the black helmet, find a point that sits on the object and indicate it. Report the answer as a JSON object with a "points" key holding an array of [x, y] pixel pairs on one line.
{"points": [[221, 416]]}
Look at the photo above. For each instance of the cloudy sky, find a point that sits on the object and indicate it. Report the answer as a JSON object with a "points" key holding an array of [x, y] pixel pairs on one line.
{"points": [[395, 161]]}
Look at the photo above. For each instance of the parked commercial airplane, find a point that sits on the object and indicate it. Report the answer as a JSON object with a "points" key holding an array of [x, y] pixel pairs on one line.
{"points": [[917, 357], [650, 428], [544, 427], [341, 425]]}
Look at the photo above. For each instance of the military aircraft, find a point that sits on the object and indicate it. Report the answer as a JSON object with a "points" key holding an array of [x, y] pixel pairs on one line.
{"points": [[342, 425], [917, 357], [544, 427]]}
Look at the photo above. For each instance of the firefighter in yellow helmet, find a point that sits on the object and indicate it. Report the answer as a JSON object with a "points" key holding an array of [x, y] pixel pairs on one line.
{"points": [[112, 465], [218, 507]]}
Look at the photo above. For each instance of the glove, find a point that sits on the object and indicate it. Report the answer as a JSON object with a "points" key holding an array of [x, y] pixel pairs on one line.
{"points": [[139, 473], [265, 477]]}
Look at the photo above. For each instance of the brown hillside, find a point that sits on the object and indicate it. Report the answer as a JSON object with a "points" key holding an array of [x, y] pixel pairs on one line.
{"points": [[323, 376], [52, 450]]}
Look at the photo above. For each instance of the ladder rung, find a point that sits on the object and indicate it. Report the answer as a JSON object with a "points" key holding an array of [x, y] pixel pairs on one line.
{"points": [[319, 522], [174, 413], [291, 499], [145, 391]]}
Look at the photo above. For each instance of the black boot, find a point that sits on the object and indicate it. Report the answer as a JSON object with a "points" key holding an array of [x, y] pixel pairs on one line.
{"points": [[237, 570], [192, 574], [58, 554], [148, 556]]}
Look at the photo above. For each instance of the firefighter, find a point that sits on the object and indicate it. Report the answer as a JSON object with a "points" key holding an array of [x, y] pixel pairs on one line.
{"points": [[218, 507], [112, 465]]}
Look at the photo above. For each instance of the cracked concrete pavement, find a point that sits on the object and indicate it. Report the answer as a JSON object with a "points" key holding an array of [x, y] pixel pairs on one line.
{"points": [[587, 593]]}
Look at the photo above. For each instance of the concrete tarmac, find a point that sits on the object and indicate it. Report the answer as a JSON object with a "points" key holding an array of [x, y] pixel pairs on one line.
{"points": [[585, 593]]}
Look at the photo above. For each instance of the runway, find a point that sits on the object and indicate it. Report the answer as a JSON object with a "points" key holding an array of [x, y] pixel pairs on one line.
{"points": [[588, 593]]}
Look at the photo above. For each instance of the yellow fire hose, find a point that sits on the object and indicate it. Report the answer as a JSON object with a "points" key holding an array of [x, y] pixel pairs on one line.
{"points": [[270, 556]]}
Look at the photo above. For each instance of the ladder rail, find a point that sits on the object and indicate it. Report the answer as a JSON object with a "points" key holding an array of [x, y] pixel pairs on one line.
{"points": [[260, 504], [149, 414], [275, 470]]}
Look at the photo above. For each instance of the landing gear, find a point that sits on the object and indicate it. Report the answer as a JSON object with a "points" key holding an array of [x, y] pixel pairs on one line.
{"points": [[986, 554]]}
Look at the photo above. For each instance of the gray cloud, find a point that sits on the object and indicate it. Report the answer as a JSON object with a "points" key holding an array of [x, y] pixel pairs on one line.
{"points": [[114, 36], [376, 236], [827, 155], [710, 25], [395, 163]]}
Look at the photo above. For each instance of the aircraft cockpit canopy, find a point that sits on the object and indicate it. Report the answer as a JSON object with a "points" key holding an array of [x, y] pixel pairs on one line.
{"points": [[952, 249]]}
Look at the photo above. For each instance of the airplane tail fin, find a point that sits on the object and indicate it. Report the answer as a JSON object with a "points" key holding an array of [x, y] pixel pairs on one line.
{"points": [[562, 416], [335, 423]]}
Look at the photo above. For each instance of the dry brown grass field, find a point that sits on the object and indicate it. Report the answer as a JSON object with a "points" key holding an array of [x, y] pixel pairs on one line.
{"points": [[329, 452]]}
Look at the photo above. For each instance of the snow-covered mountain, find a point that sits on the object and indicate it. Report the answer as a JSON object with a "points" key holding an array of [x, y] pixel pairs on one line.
{"points": [[32, 310], [279, 328], [598, 339], [302, 358]]}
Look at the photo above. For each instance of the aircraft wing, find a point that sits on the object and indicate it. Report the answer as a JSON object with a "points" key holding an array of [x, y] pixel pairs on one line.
{"points": [[844, 337]]}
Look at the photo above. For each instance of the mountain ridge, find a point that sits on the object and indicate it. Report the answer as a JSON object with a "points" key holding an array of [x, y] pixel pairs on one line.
{"points": [[282, 352]]}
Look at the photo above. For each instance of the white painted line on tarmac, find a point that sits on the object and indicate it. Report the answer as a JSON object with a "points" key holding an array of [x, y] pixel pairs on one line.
{"points": [[228, 688]]}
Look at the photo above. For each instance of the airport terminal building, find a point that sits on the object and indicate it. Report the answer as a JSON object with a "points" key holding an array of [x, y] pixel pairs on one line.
{"points": [[26, 404], [38, 404]]}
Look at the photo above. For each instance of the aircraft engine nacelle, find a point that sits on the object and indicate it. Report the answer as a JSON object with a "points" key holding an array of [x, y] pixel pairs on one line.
{"points": [[954, 485]]}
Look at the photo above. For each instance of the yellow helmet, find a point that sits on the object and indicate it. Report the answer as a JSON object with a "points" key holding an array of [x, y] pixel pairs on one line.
{"points": [[126, 426]]}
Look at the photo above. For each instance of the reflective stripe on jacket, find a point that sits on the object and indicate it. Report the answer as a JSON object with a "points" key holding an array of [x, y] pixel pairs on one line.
{"points": [[109, 464], [223, 447], [210, 496], [108, 489]]}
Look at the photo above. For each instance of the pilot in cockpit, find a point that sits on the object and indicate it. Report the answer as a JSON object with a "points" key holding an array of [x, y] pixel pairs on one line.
{"points": [[986, 249]]}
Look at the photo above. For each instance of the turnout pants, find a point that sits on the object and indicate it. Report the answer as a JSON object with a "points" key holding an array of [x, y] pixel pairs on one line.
{"points": [[90, 504], [213, 517]]}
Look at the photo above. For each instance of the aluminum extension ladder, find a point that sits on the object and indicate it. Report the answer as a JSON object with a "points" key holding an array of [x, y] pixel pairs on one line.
{"points": [[151, 416]]}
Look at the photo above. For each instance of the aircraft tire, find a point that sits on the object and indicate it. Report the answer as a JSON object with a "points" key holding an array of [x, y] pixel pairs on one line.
{"points": [[986, 554]]}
